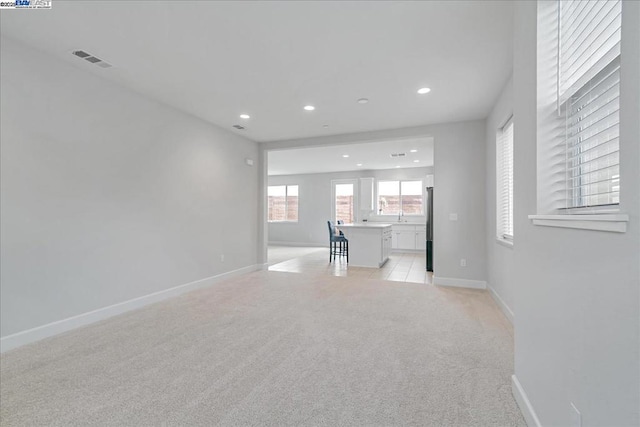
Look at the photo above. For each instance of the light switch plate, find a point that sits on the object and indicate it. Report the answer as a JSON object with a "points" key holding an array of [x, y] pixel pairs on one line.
{"points": [[453, 217]]}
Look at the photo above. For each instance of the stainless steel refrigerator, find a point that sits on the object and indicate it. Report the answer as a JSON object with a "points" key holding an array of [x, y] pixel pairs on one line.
{"points": [[429, 228]]}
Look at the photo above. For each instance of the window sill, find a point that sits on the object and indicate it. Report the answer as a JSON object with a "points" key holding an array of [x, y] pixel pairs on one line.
{"points": [[504, 242], [616, 223], [282, 222]]}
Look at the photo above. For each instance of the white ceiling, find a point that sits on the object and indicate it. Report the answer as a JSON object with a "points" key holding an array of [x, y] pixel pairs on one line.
{"points": [[372, 155], [217, 60]]}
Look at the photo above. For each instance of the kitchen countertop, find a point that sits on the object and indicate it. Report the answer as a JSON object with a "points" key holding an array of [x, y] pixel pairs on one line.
{"points": [[366, 225]]}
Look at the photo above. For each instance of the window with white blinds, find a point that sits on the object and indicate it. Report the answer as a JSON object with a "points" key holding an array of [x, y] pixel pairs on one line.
{"points": [[588, 99], [504, 182]]}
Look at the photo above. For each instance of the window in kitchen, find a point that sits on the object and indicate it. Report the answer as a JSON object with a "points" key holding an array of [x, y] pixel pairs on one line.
{"points": [[344, 202], [400, 198], [283, 203]]}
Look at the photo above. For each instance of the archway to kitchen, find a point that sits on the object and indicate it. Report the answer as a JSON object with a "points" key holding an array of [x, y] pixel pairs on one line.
{"points": [[306, 186]]}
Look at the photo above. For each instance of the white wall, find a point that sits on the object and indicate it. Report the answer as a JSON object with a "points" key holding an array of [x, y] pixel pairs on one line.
{"points": [[500, 274], [459, 187], [459, 160], [577, 292], [314, 203], [108, 196]]}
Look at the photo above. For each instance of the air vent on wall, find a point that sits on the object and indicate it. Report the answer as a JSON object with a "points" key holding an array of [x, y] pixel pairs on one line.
{"points": [[239, 127], [90, 58], [398, 154]]}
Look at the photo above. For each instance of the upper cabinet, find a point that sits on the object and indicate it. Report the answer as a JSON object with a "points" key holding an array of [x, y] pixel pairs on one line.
{"points": [[366, 194], [428, 182]]}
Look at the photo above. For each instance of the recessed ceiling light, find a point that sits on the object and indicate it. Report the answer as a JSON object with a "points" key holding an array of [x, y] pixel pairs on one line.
{"points": [[359, 164], [325, 126], [416, 161], [363, 101], [345, 155], [309, 107], [424, 90], [245, 116], [414, 151], [397, 166]]}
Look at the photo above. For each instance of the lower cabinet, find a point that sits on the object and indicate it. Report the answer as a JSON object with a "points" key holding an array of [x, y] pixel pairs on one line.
{"points": [[421, 240], [369, 244], [409, 237], [406, 239], [387, 244]]}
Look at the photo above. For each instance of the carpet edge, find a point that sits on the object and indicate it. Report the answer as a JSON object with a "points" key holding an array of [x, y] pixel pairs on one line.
{"points": [[38, 333]]}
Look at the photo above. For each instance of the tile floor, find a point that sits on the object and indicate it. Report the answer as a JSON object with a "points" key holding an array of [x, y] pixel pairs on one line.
{"points": [[401, 267]]}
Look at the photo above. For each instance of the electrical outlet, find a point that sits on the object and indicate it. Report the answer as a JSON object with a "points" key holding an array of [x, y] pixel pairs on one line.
{"points": [[221, 257], [576, 417], [463, 262]]}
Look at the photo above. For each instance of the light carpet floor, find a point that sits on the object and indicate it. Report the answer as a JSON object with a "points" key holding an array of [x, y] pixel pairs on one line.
{"points": [[276, 349]]}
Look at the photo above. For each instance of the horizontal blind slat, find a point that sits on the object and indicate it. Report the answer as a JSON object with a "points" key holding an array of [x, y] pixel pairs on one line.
{"points": [[581, 179], [601, 30], [573, 28], [589, 38], [613, 130], [609, 79], [577, 153], [593, 115], [610, 155], [579, 62]]}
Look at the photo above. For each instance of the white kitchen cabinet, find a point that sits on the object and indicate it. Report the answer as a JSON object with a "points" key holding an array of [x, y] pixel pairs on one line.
{"points": [[421, 240], [387, 238], [409, 237], [369, 243]]}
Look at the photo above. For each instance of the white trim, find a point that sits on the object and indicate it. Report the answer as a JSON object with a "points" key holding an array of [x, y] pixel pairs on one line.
{"points": [[504, 242], [606, 222], [523, 402], [54, 328], [459, 283], [503, 305]]}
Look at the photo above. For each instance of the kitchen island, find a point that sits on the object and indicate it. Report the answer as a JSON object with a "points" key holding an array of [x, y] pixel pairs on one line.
{"points": [[369, 243]]}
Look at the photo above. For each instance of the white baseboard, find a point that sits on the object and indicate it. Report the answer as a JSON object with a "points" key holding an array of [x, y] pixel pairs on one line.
{"points": [[459, 283], [45, 331], [503, 306], [523, 402], [299, 244]]}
